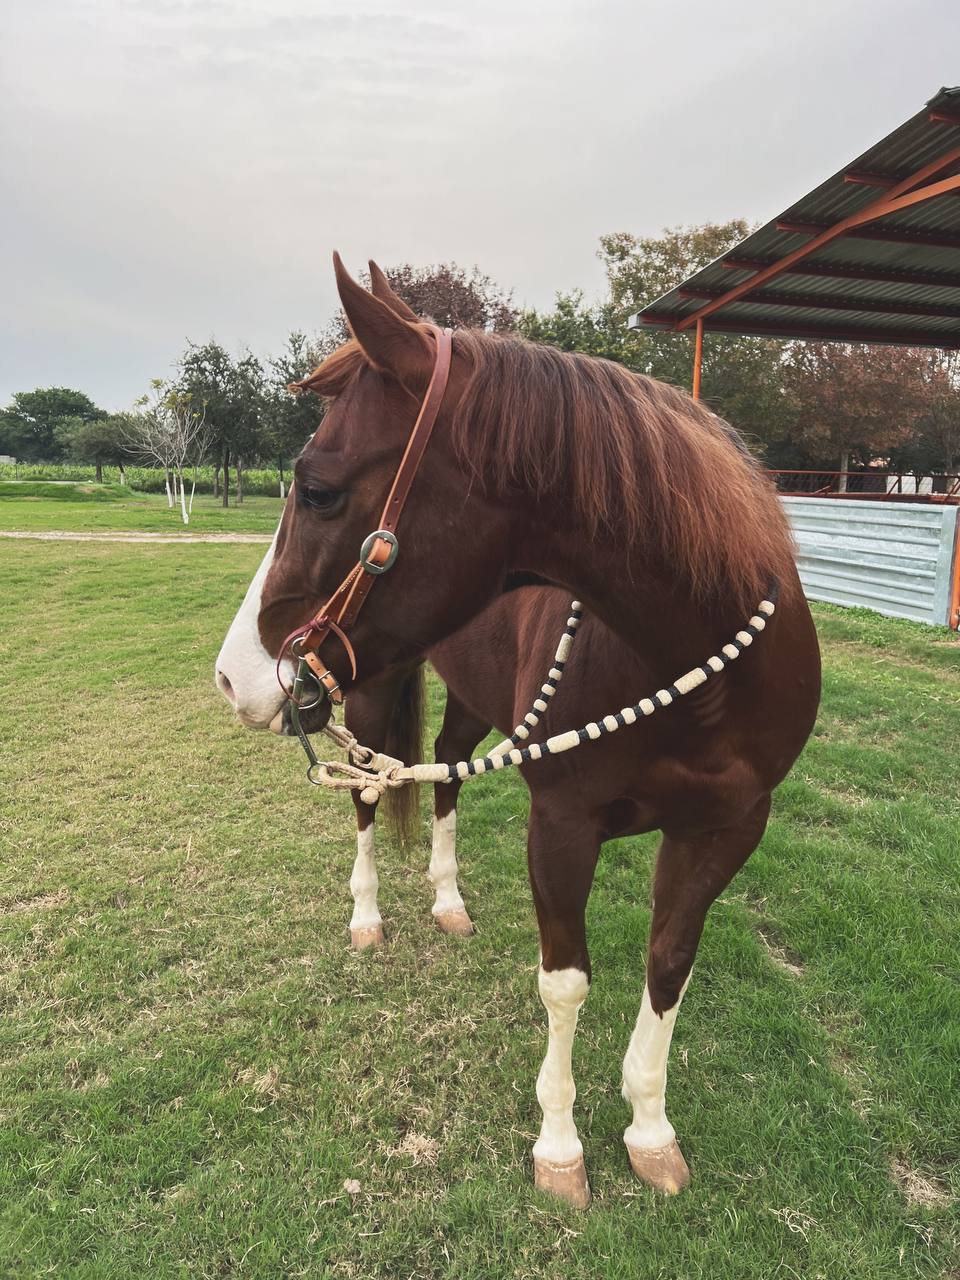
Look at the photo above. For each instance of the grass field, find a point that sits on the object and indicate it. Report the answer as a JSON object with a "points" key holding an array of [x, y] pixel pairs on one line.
{"points": [[193, 1064], [36, 506]]}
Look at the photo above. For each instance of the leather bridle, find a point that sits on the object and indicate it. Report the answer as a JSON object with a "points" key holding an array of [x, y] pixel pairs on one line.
{"points": [[377, 554]]}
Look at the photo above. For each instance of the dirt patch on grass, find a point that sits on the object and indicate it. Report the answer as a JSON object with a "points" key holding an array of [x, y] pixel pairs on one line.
{"points": [[418, 1147], [40, 902], [783, 958], [917, 1188]]}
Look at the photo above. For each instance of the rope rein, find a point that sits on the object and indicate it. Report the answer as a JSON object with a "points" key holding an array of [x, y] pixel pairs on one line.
{"points": [[372, 773]]}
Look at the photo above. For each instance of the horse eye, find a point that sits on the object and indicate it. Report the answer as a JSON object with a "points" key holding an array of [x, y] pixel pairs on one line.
{"points": [[328, 502]]}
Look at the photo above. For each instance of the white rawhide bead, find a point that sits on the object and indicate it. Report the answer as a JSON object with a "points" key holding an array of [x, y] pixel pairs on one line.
{"points": [[690, 681]]}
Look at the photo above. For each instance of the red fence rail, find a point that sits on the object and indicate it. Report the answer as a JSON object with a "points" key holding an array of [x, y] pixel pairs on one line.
{"points": [[883, 486]]}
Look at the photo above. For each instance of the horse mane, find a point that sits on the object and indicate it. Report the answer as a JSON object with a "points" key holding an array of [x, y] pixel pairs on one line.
{"points": [[626, 455]]}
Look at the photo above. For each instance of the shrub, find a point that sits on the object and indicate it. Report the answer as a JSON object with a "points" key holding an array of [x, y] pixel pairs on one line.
{"points": [[265, 482]]}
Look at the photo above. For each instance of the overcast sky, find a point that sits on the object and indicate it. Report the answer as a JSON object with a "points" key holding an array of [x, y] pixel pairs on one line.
{"points": [[178, 169]]}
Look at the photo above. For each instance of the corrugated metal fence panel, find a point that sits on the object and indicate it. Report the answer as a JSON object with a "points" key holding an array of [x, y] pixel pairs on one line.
{"points": [[894, 557]]}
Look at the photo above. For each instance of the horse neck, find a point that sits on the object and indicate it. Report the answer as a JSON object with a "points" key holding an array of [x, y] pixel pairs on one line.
{"points": [[653, 613]]}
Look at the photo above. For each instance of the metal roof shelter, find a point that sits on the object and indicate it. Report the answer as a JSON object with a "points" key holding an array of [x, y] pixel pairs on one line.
{"points": [[871, 255]]}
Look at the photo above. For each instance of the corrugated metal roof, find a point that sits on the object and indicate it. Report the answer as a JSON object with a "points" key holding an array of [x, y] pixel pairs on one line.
{"points": [[895, 278]]}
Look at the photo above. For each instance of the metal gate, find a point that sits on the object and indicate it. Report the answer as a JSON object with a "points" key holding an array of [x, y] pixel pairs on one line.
{"points": [[897, 558]]}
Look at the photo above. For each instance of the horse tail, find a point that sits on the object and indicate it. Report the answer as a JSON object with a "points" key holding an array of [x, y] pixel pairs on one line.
{"points": [[404, 741]]}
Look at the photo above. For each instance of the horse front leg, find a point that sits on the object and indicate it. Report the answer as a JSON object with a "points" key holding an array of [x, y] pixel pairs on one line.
{"points": [[366, 923], [459, 735], [691, 872], [367, 714], [562, 855]]}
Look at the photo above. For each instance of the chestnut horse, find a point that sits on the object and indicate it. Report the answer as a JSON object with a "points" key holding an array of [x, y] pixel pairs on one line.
{"points": [[569, 470]]}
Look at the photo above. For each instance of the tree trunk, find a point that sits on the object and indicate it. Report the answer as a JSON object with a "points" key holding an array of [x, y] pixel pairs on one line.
{"points": [[282, 491], [216, 481], [844, 468], [99, 472], [226, 477], [123, 474], [183, 499], [166, 481]]}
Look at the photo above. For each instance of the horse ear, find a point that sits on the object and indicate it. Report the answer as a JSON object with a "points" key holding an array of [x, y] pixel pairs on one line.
{"points": [[381, 289], [393, 345]]}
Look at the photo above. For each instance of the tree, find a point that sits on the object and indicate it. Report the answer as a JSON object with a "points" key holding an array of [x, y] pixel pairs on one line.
{"points": [[446, 294], [169, 431], [574, 325], [851, 400], [935, 443], [28, 426], [741, 375], [231, 391], [290, 420], [98, 443]]}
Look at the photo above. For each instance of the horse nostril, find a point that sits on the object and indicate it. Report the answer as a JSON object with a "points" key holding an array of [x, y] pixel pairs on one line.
{"points": [[225, 687]]}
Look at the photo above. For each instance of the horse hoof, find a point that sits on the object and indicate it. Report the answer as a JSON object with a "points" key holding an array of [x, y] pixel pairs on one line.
{"points": [[372, 936], [662, 1168], [568, 1180], [456, 922]]}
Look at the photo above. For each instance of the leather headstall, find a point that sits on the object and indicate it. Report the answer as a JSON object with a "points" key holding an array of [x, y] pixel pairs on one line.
{"points": [[379, 549]]}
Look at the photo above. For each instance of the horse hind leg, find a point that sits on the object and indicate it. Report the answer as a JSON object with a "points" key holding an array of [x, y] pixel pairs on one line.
{"points": [[459, 735], [691, 872]]}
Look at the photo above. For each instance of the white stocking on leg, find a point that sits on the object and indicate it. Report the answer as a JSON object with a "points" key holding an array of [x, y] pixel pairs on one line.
{"points": [[448, 909], [651, 1140], [558, 1153], [366, 926]]}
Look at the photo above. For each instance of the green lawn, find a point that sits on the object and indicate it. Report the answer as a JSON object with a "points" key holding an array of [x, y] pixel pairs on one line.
{"points": [[97, 509], [193, 1063]]}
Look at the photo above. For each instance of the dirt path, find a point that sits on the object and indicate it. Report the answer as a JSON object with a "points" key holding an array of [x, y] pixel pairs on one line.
{"points": [[53, 535]]}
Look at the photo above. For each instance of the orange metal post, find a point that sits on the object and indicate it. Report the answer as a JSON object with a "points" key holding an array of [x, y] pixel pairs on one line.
{"points": [[697, 360], [953, 618]]}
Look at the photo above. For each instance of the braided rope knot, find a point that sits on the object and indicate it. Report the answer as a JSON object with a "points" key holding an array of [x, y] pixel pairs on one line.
{"points": [[370, 772]]}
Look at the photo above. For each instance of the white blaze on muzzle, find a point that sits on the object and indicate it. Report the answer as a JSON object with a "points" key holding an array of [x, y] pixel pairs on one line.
{"points": [[245, 673]]}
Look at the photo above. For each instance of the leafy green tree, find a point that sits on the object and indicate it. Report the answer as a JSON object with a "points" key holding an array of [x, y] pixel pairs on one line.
{"points": [[231, 391], [290, 420], [741, 377], [98, 443], [574, 325], [28, 426]]}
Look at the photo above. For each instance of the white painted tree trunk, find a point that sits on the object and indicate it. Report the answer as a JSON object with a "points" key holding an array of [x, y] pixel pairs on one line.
{"points": [[283, 492], [166, 481], [183, 500], [193, 490], [844, 467]]}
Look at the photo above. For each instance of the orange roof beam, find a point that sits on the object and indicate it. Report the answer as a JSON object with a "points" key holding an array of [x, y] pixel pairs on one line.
{"points": [[892, 201]]}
